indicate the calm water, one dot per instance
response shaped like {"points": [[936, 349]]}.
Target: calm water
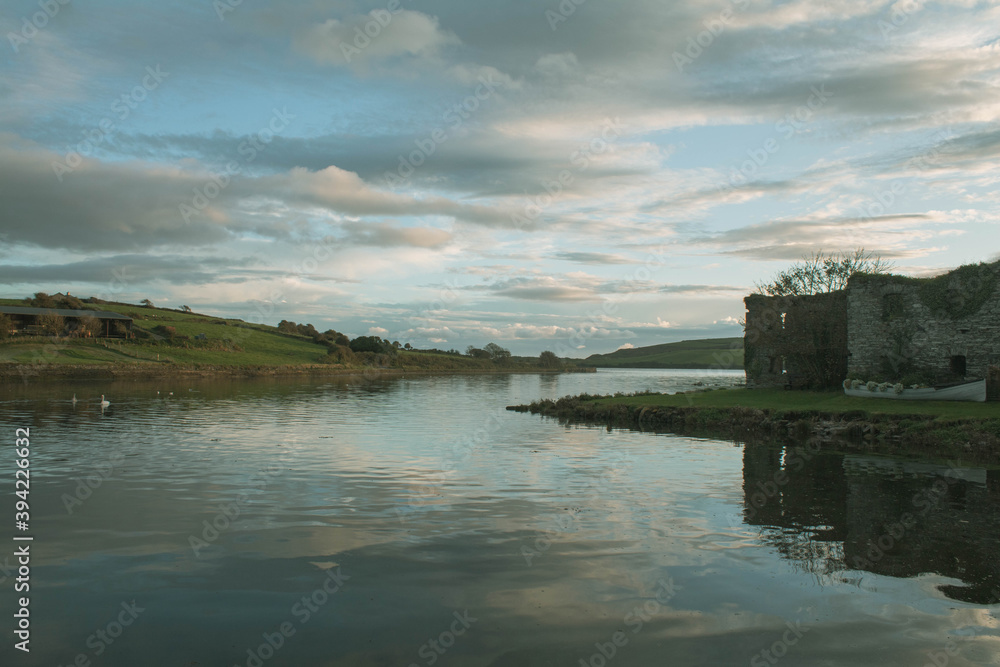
{"points": [[413, 521]]}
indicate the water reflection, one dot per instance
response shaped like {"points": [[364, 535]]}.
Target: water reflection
{"points": [[832, 513], [435, 500]]}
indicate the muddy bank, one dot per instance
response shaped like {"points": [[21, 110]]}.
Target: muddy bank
{"points": [[975, 440]]}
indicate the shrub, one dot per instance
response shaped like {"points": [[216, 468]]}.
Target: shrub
{"points": [[170, 333], [52, 324]]}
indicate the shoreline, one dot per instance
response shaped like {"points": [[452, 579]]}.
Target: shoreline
{"points": [[925, 435], [17, 373]]}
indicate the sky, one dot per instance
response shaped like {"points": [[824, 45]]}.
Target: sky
{"points": [[574, 175]]}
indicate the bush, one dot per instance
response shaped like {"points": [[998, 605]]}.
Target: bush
{"points": [[52, 324], [548, 359], [170, 333], [90, 325], [369, 344], [339, 354]]}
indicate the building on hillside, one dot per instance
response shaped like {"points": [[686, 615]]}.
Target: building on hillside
{"points": [[928, 330], [41, 321]]}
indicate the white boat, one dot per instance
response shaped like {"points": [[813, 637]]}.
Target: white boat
{"points": [[968, 391]]}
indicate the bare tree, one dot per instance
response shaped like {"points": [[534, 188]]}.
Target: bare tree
{"points": [[821, 272]]}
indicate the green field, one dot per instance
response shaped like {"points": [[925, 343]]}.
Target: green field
{"points": [[227, 342], [707, 353], [803, 401]]}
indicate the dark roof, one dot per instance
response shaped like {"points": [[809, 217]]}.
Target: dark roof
{"points": [[65, 312]]}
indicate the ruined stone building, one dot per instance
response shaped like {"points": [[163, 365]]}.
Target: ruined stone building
{"points": [[884, 327]]}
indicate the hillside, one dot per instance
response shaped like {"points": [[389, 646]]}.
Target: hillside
{"points": [[170, 338], [707, 353]]}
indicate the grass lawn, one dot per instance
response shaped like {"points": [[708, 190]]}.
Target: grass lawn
{"points": [[779, 399]]}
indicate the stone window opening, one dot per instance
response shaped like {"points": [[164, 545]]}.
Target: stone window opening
{"points": [[893, 306], [958, 365]]}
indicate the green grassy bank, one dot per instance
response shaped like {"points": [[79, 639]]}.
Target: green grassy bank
{"points": [[939, 429]]}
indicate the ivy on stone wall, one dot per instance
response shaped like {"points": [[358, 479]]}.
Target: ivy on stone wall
{"points": [[957, 294]]}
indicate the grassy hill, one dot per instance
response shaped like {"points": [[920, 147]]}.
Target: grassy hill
{"points": [[227, 342], [707, 353], [230, 343]]}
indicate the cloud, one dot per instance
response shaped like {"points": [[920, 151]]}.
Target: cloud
{"points": [[626, 346], [113, 206], [592, 258], [376, 36], [699, 289], [384, 235], [138, 268]]}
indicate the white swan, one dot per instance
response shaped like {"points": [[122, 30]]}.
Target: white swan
{"points": [[104, 403]]}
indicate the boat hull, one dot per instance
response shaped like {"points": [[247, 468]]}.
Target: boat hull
{"points": [[970, 391]]}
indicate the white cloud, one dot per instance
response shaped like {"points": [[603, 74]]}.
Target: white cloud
{"points": [[378, 35]]}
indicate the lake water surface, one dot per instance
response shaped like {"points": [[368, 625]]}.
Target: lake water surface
{"points": [[413, 521]]}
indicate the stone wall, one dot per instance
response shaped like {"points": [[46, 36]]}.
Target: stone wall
{"points": [[902, 327], [797, 342]]}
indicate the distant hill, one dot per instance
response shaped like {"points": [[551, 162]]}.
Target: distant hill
{"points": [[707, 353]]}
